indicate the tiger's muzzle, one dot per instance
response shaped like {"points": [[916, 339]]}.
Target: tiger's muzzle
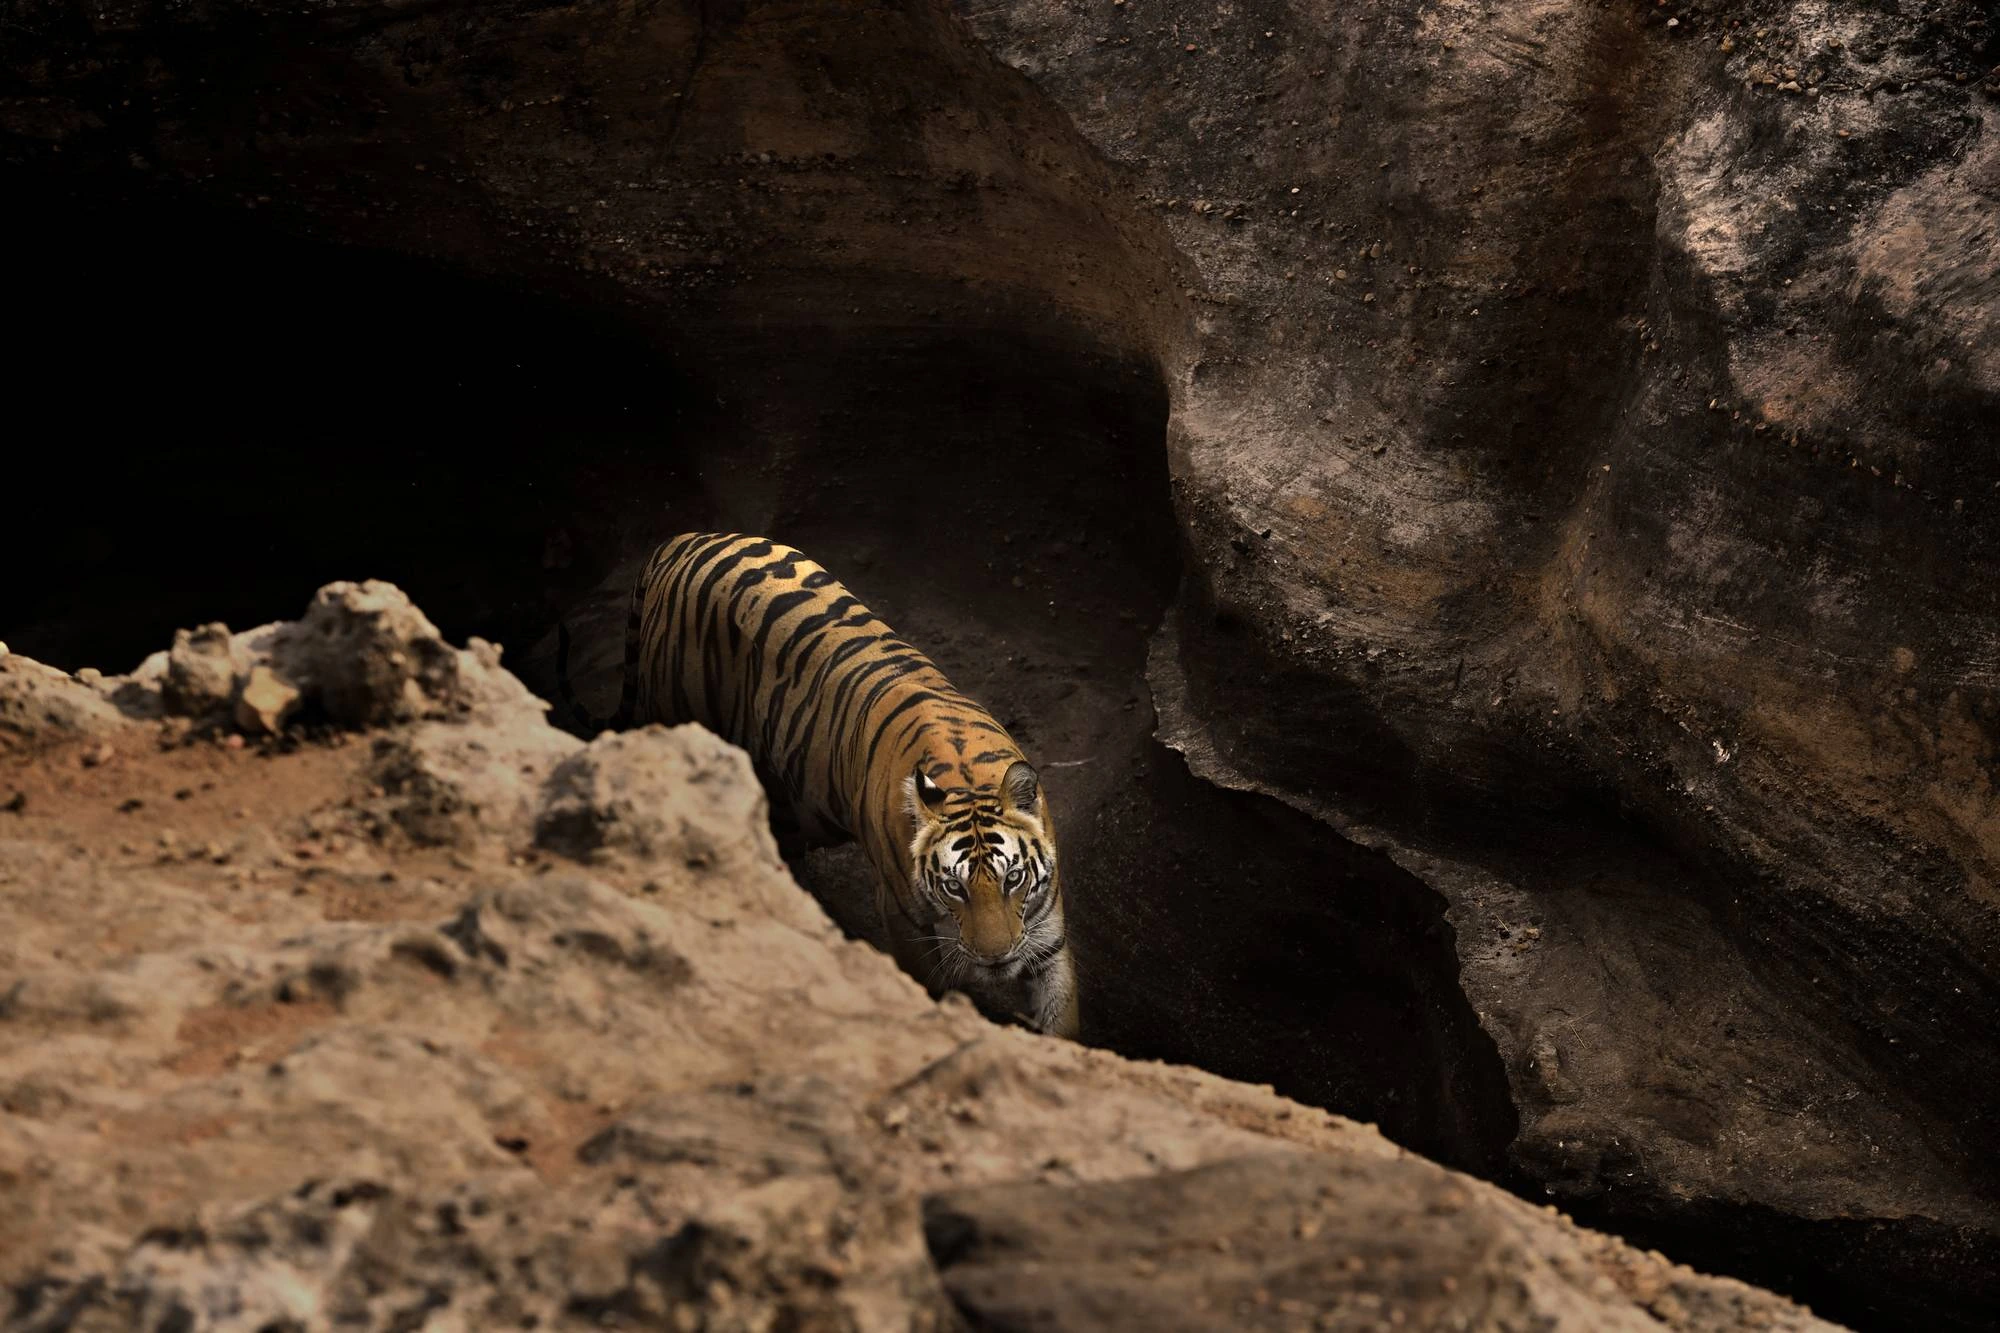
{"points": [[989, 931]]}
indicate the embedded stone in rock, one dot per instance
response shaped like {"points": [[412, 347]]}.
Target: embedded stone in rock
{"points": [[266, 701]]}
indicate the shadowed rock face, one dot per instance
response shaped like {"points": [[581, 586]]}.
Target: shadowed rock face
{"points": [[1576, 418], [1582, 449]]}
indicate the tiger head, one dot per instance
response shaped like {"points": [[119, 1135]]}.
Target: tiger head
{"points": [[984, 861]]}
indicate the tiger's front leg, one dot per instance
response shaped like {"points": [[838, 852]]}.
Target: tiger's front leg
{"points": [[1054, 993]]}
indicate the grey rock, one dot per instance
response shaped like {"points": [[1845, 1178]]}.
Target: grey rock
{"points": [[1659, 638]]}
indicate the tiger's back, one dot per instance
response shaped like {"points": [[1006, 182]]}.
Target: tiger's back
{"points": [[855, 733]]}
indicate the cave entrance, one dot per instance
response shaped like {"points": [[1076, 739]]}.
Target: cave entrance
{"points": [[997, 489], [1000, 495]]}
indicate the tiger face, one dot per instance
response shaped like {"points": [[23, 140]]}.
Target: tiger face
{"points": [[983, 861]]}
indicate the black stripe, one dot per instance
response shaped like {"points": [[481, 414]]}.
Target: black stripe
{"points": [[810, 701], [850, 715], [671, 605], [774, 610], [755, 551], [809, 625], [882, 727]]}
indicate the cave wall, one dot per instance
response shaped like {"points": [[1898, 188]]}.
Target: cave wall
{"points": [[1585, 452]]}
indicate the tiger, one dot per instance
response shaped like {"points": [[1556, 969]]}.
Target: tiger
{"points": [[856, 735]]}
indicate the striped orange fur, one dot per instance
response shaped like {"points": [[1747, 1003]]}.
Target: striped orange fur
{"points": [[856, 734]]}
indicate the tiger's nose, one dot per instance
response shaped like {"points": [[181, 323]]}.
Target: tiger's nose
{"points": [[986, 935]]}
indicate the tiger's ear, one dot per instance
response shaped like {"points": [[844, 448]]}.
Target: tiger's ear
{"points": [[925, 795], [1021, 785]]}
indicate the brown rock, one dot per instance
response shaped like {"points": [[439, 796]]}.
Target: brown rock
{"points": [[265, 701], [1313, 1241], [516, 1094], [202, 670], [1588, 662]]}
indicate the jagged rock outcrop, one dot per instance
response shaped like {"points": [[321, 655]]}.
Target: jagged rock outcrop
{"points": [[268, 1060]]}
